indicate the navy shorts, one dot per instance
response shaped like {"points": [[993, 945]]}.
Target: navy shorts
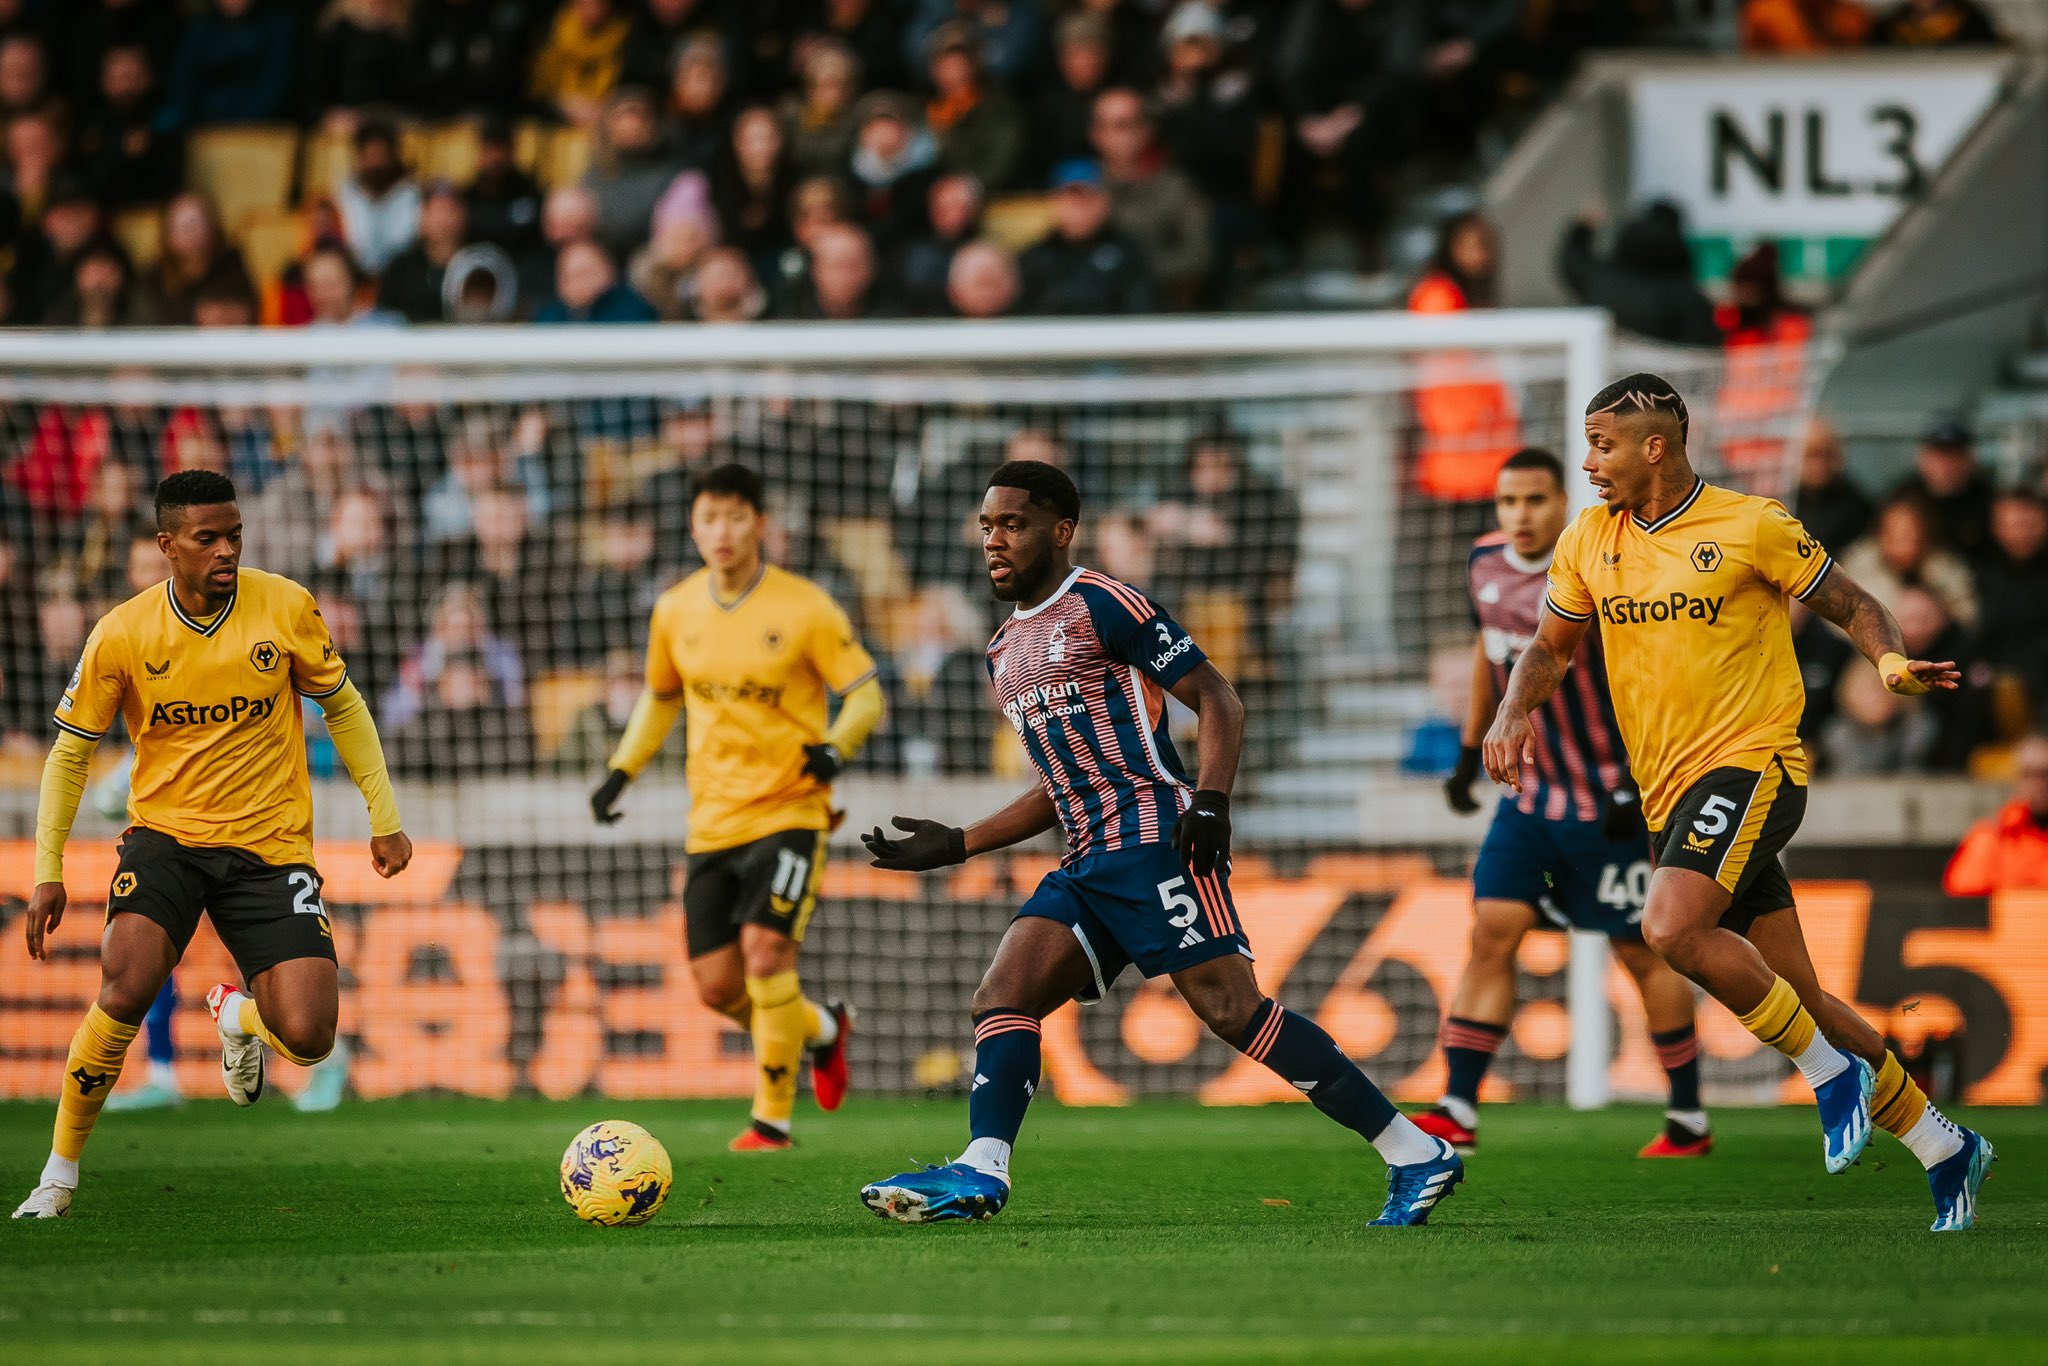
{"points": [[1140, 905], [1573, 875]]}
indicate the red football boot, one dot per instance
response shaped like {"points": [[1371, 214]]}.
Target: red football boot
{"points": [[829, 1078], [760, 1138], [1678, 1141], [1440, 1123]]}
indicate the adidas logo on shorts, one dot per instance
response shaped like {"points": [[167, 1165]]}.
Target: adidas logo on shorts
{"points": [[1191, 938]]}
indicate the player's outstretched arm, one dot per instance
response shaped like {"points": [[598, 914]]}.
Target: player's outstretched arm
{"points": [[1874, 631], [1202, 834], [64, 777], [648, 726], [354, 732], [1536, 676], [924, 845]]}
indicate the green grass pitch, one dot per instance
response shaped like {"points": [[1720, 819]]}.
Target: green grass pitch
{"points": [[432, 1231]]}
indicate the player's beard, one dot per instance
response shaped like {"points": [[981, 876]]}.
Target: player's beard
{"points": [[1027, 581]]}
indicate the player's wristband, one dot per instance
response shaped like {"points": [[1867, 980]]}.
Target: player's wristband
{"points": [[1896, 663]]}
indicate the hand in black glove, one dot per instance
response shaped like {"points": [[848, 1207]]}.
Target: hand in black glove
{"points": [[604, 801], [823, 762], [1202, 834], [1458, 787], [925, 845], [1624, 815]]}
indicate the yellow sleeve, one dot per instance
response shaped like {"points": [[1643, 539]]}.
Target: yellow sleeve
{"points": [[664, 679], [317, 670], [64, 775], [92, 699], [1568, 595], [836, 653], [354, 732], [860, 711], [1785, 555], [649, 725]]}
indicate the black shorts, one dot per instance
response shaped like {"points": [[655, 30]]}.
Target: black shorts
{"points": [[772, 881], [265, 913], [1731, 825]]}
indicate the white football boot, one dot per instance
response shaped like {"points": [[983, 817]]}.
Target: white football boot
{"points": [[241, 1057], [47, 1201]]}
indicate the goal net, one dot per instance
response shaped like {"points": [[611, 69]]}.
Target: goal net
{"points": [[486, 518]]}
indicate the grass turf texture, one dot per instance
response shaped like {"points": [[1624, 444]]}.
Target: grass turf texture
{"points": [[433, 1231]]}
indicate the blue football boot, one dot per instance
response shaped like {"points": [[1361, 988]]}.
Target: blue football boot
{"points": [[1414, 1190], [1955, 1182], [953, 1191], [1845, 1115]]}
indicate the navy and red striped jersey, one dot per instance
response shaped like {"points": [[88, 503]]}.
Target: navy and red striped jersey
{"points": [[1082, 678], [1579, 754]]}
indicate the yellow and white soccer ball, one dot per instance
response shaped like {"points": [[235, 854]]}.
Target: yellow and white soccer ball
{"points": [[616, 1174]]}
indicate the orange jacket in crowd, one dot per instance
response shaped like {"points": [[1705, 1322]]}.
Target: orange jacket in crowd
{"points": [[2007, 852], [1803, 25], [1763, 385], [1469, 426]]}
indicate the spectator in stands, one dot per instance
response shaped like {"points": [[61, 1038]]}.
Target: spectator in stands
{"points": [[628, 172], [568, 214], [1875, 731], [1065, 105], [477, 463], [1936, 23], [1151, 202], [893, 166], [1208, 117], [595, 730], [922, 265], [457, 629], [124, 158], [1829, 503], [379, 202], [504, 201], [751, 186], [725, 289], [356, 553], [1802, 25], [1337, 65], [588, 290], [337, 290], [196, 256], [24, 76], [871, 31], [2008, 851], [285, 522], [979, 127], [413, 283], [73, 219], [1009, 38], [685, 227], [840, 285], [578, 65], [699, 104], [983, 281], [99, 26], [2013, 586], [1765, 339], [463, 57], [466, 726], [818, 123], [360, 56], [114, 511], [662, 28], [35, 152], [103, 292], [1647, 283], [608, 606], [1462, 50], [1084, 265], [1463, 270], [61, 627], [238, 63], [1904, 552], [225, 302], [1224, 527], [936, 681], [1953, 486], [515, 573], [816, 206]]}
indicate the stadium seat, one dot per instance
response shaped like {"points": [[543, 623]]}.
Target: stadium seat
{"points": [[140, 231], [448, 152], [867, 548], [270, 241], [1221, 620], [557, 697], [529, 138], [242, 170], [564, 156], [1269, 159], [1018, 220]]}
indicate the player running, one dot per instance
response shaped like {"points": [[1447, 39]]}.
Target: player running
{"points": [[1569, 850], [207, 671], [1688, 584], [747, 653], [1081, 669]]}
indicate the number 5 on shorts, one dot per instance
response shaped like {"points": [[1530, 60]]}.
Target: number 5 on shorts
{"points": [[1713, 815], [1174, 899]]}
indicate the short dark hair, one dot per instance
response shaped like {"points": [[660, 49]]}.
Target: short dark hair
{"points": [[1643, 392], [1047, 485], [189, 489], [733, 480], [1536, 458]]}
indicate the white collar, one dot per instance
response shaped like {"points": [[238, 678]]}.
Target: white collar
{"points": [[1057, 594], [1528, 566]]}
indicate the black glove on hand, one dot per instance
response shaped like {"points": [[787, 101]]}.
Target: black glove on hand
{"points": [[823, 762], [1202, 835], [1458, 787], [1624, 815], [604, 801], [925, 845]]}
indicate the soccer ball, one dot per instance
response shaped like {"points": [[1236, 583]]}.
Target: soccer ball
{"points": [[615, 1174]]}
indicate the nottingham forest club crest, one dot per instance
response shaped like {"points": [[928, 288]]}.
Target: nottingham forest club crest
{"points": [[1056, 644]]}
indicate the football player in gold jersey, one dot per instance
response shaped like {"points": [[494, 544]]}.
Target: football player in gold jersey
{"points": [[1687, 584], [207, 671], [748, 654]]}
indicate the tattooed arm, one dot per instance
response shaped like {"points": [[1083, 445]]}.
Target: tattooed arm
{"points": [[1536, 676], [1873, 631]]}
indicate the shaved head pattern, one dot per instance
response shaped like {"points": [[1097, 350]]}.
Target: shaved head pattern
{"points": [[1643, 392]]}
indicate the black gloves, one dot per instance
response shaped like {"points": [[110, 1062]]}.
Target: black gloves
{"points": [[823, 762], [1202, 835], [1624, 815], [1458, 787], [925, 845], [605, 799]]}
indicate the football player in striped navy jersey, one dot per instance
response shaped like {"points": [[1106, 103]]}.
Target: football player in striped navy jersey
{"points": [[1081, 670]]}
